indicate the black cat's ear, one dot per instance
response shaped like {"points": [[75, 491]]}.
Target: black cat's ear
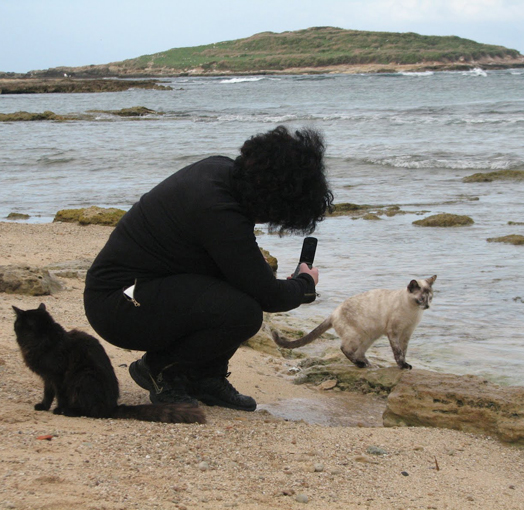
{"points": [[413, 286], [17, 310], [431, 280], [41, 306]]}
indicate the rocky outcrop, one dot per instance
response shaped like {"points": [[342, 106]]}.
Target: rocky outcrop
{"points": [[467, 403], [32, 281], [445, 220], [66, 85], [429, 399], [380, 381], [91, 215], [70, 269], [509, 239], [499, 175]]}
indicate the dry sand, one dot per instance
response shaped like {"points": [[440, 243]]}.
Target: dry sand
{"points": [[237, 460]]}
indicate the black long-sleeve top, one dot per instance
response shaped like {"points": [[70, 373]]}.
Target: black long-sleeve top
{"points": [[192, 223]]}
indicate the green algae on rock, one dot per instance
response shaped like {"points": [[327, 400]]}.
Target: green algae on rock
{"points": [[370, 216], [17, 216], [347, 208], [509, 239], [365, 211], [445, 220], [91, 215], [28, 116], [500, 175]]}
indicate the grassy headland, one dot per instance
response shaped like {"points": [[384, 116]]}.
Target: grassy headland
{"points": [[319, 49]]}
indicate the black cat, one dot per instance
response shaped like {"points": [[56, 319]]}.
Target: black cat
{"points": [[76, 369]]}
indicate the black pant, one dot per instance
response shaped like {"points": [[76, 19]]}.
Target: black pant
{"points": [[192, 320]]}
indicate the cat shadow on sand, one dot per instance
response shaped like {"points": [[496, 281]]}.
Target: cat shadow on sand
{"points": [[77, 371], [362, 319]]}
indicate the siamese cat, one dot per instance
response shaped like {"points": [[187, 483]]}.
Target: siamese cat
{"points": [[364, 318], [77, 371]]}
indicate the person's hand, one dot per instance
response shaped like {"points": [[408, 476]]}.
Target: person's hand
{"points": [[313, 272]]}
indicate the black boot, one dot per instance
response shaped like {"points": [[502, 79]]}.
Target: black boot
{"points": [[168, 387], [211, 387]]}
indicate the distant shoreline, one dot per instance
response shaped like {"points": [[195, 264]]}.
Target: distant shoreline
{"points": [[68, 79]]}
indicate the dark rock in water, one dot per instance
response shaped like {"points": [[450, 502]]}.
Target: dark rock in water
{"points": [[32, 281], [17, 216], [500, 175], [467, 403], [134, 111], [91, 215], [28, 116], [67, 84], [445, 220], [346, 208], [510, 239]]}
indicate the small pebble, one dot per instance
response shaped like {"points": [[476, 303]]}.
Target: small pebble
{"points": [[301, 498], [203, 466], [375, 450], [404, 473], [364, 459], [318, 467], [328, 385]]}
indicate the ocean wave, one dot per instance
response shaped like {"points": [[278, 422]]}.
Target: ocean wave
{"points": [[415, 73], [54, 160], [475, 72], [493, 163], [243, 79]]}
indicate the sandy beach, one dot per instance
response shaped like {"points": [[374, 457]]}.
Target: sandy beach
{"points": [[237, 460]]}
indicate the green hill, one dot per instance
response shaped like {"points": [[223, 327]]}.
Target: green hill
{"points": [[313, 48]]}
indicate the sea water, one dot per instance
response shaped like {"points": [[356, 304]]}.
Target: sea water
{"points": [[405, 139]]}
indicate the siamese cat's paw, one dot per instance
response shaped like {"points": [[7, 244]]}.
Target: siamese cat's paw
{"points": [[405, 366], [41, 407]]}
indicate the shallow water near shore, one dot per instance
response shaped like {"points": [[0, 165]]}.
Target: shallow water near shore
{"points": [[395, 139], [355, 410]]}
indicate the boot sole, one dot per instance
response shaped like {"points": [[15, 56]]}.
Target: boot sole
{"points": [[210, 400]]}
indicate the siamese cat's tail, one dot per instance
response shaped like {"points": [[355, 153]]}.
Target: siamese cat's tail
{"points": [[166, 413], [313, 335]]}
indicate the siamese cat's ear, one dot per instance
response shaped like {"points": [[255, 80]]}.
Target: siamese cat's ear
{"points": [[17, 310], [41, 306], [431, 280], [413, 286]]}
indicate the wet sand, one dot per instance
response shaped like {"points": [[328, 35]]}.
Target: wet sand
{"points": [[301, 447]]}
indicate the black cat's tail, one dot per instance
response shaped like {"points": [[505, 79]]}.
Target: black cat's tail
{"points": [[166, 413], [313, 335]]}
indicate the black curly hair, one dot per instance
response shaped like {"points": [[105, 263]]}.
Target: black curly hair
{"points": [[280, 178]]}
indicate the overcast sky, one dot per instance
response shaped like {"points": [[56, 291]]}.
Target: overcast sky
{"points": [[39, 34]]}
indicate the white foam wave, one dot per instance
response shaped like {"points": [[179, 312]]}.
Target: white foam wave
{"points": [[475, 72], [465, 163], [242, 80], [415, 73]]}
